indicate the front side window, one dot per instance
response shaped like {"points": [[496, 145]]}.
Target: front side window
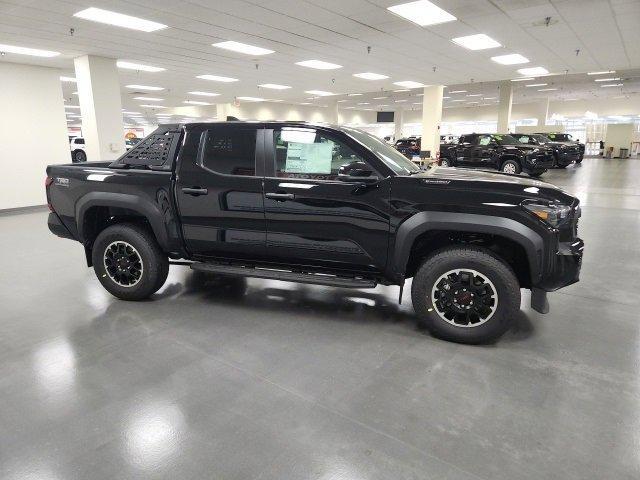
{"points": [[231, 151], [525, 139], [308, 153], [484, 140]]}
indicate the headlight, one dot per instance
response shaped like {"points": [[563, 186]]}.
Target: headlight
{"points": [[553, 214]]}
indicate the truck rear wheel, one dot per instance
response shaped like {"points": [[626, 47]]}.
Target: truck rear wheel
{"points": [[129, 262], [466, 294]]}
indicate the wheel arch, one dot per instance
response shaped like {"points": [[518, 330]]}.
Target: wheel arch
{"points": [[439, 226]]}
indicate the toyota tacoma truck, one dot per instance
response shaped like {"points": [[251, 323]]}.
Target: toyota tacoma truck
{"points": [[568, 140], [319, 204], [500, 152]]}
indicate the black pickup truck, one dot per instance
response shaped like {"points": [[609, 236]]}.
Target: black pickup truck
{"points": [[566, 139], [323, 205], [500, 152], [564, 154]]}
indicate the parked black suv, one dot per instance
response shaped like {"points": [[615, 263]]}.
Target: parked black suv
{"points": [[563, 154], [319, 204], [409, 147], [500, 152], [566, 139]]}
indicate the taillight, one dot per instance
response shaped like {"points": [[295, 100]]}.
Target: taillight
{"points": [[47, 183]]}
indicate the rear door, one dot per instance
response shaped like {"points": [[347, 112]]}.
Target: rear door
{"points": [[314, 218], [219, 190]]}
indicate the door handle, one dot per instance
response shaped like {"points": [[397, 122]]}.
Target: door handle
{"points": [[194, 191], [280, 197]]}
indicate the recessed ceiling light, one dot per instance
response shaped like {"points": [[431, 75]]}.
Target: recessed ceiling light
{"points": [[601, 73], [572, 99], [547, 89], [149, 99], [417, 103], [474, 95], [459, 100], [409, 84], [34, 52], [274, 86], [309, 103], [473, 103], [151, 106], [217, 78], [422, 12], [130, 113], [68, 79], [319, 65], [138, 66], [379, 98], [458, 91], [144, 87], [251, 99], [510, 59], [526, 79], [489, 98], [364, 103], [401, 90], [354, 94], [612, 85], [74, 93], [536, 85], [383, 105], [242, 48], [341, 101], [400, 101], [320, 93], [479, 41], [533, 71], [370, 76], [119, 20], [607, 79], [204, 94], [196, 102], [446, 97]]}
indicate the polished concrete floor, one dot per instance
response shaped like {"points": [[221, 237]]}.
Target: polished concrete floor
{"points": [[286, 381]]}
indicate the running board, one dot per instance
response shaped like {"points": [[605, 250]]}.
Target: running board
{"points": [[286, 276]]}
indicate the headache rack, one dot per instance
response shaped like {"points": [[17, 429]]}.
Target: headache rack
{"points": [[154, 152]]}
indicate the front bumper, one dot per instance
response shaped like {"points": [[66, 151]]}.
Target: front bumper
{"points": [[568, 159], [564, 267], [537, 163]]}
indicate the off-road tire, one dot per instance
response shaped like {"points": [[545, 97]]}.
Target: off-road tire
{"points": [[474, 258], [155, 264]]}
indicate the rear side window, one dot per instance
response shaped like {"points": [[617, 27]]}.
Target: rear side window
{"points": [[231, 151]]}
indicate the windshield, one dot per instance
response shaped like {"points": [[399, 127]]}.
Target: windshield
{"points": [[397, 162], [506, 140]]}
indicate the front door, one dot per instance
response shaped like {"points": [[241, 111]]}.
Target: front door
{"points": [[312, 216], [219, 191]]}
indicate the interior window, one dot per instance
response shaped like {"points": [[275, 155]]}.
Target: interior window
{"points": [[230, 151], [525, 139], [307, 153]]}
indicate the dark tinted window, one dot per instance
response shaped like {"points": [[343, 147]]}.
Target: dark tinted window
{"points": [[231, 151], [79, 141]]}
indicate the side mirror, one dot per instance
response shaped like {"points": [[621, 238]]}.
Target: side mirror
{"points": [[357, 172]]}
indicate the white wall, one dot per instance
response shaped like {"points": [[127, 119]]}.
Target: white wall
{"points": [[618, 136], [33, 132]]}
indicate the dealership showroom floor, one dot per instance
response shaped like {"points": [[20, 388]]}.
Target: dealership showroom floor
{"points": [[314, 140], [297, 381]]}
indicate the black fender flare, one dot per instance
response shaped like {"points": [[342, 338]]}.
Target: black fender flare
{"points": [[122, 200], [422, 222]]}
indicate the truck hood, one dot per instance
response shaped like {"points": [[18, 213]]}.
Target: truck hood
{"points": [[497, 183]]}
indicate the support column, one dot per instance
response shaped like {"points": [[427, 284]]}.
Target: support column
{"points": [[431, 118], [504, 106], [398, 119], [101, 107], [543, 112], [332, 114]]}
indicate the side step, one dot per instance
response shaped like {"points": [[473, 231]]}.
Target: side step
{"points": [[313, 278]]}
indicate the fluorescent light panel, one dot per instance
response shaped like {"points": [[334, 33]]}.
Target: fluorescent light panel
{"points": [[152, 106], [479, 41], [217, 78], [409, 84], [204, 94], [251, 99], [144, 87], [613, 79], [119, 20], [149, 99], [526, 79], [601, 73], [510, 59], [34, 52], [533, 71], [370, 76], [354, 94], [547, 89], [319, 65], [422, 13], [379, 98], [196, 102], [138, 66], [274, 86], [242, 48], [319, 93], [536, 85], [458, 91]]}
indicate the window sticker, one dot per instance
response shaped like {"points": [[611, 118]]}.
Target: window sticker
{"points": [[308, 157]]}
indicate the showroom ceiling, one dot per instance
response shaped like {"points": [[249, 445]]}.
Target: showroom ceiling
{"points": [[581, 36]]}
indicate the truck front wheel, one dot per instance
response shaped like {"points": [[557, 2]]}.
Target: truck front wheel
{"points": [[466, 294], [129, 262]]}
